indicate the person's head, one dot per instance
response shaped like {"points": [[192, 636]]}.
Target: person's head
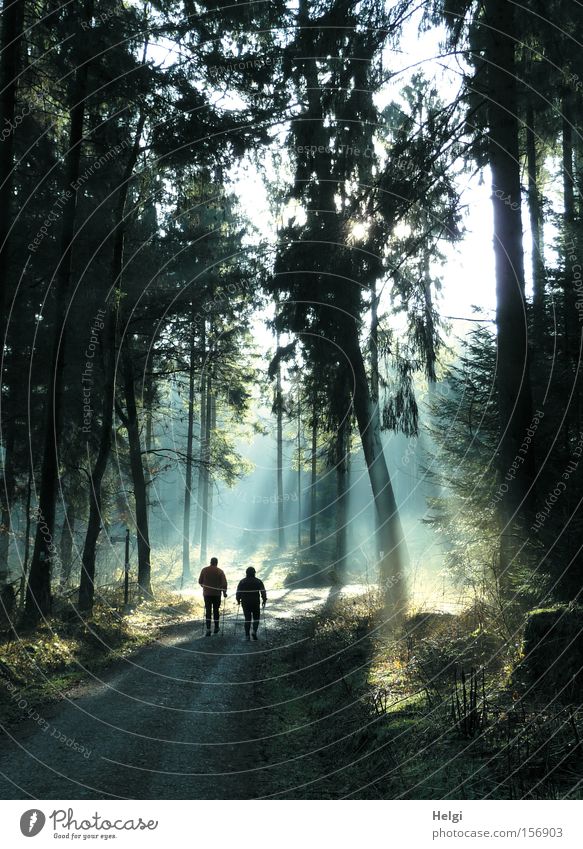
{"points": [[214, 561], [250, 572]]}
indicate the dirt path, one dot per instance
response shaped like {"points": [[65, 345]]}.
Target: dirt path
{"points": [[182, 719]]}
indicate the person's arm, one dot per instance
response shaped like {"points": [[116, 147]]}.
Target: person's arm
{"points": [[263, 593], [201, 578], [224, 584], [238, 593]]}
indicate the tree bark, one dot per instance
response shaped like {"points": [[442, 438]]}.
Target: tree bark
{"points": [[392, 547], [149, 416], [66, 545], [138, 477], [314, 478], [206, 472], [87, 584], [513, 381], [38, 592], [570, 328], [341, 461], [536, 229], [211, 493], [10, 66], [7, 497], [186, 576], [202, 435], [299, 478], [279, 415], [22, 591]]}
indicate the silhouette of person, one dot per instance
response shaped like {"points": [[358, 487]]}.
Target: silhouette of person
{"points": [[249, 591], [214, 584]]}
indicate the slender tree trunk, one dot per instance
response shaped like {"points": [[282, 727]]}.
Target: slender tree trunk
{"points": [[568, 211], [138, 477], [393, 557], [513, 381], [38, 593], [87, 584], [578, 109], [430, 352], [299, 471], [279, 414], [206, 469], [374, 393], [211, 493], [571, 330], [536, 229], [374, 348], [314, 478], [66, 545], [149, 416], [10, 67], [7, 498], [22, 592], [201, 439], [341, 460], [188, 475]]}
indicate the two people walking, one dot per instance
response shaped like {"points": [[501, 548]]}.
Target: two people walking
{"points": [[250, 594]]}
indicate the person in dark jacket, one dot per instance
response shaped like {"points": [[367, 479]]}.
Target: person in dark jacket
{"points": [[249, 592], [214, 583]]}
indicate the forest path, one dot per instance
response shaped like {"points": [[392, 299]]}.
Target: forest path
{"points": [[183, 718]]}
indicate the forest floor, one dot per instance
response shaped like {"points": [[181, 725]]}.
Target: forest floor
{"points": [[329, 703]]}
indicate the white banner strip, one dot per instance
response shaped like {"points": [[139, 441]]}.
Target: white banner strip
{"points": [[282, 824]]}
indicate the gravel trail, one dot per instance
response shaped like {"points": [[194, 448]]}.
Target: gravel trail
{"points": [[183, 718]]}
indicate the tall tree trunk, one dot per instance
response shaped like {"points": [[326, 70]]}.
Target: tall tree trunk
{"points": [[22, 591], [211, 499], [201, 438], [10, 65], [206, 468], [374, 394], [341, 462], [66, 545], [87, 584], [314, 477], [536, 229], [138, 477], [188, 475], [7, 498], [149, 416], [392, 547], [513, 381], [299, 437], [571, 330], [279, 415], [38, 592]]}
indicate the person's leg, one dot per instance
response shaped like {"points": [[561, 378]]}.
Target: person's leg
{"points": [[216, 606], [207, 608], [256, 614], [247, 615]]}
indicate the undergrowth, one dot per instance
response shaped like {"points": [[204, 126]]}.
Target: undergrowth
{"points": [[40, 665], [428, 711]]}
